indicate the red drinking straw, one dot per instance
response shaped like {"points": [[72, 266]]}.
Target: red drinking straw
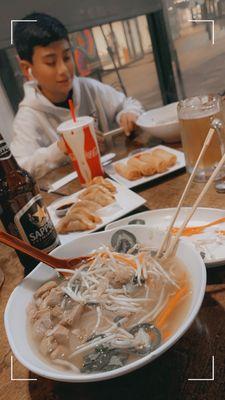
{"points": [[72, 110]]}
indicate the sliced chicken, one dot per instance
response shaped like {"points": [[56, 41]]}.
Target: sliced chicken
{"points": [[54, 298], [47, 345], [61, 334], [72, 316], [60, 352], [42, 324], [45, 288]]}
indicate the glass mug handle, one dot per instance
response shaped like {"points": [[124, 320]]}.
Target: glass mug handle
{"points": [[217, 124]]}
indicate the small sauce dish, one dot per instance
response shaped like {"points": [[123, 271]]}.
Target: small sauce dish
{"points": [[62, 210]]}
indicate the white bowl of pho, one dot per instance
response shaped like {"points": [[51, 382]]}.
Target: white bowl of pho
{"points": [[112, 315]]}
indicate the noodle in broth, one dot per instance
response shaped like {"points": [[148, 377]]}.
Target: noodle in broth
{"points": [[109, 312]]}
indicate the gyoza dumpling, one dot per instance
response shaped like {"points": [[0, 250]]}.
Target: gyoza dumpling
{"points": [[103, 182], [77, 220], [80, 213], [75, 226], [89, 205], [93, 189], [101, 198], [98, 194]]}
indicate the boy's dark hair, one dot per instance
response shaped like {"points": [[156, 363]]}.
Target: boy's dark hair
{"points": [[46, 30]]}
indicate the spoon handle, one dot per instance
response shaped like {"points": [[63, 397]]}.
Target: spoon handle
{"points": [[26, 248]]}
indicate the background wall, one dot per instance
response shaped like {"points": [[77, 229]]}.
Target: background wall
{"points": [[75, 14]]}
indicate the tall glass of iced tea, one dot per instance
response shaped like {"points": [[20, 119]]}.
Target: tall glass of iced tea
{"points": [[195, 116]]}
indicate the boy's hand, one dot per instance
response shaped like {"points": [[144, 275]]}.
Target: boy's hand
{"points": [[61, 145], [128, 122]]}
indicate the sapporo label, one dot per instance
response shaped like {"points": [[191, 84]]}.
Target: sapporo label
{"points": [[34, 225], [5, 153]]}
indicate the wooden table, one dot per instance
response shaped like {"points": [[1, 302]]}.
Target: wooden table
{"points": [[165, 378]]}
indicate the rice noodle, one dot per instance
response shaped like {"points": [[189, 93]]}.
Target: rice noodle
{"points": [[93, 344], [155, 309], [67, 364], [117, 292], [99, 314], [172, 281], [69, 271]]}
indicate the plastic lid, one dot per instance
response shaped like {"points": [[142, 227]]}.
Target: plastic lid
{"points": [[70, 124]]}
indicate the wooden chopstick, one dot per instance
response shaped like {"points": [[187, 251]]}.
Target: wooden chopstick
{"points": [[166, 239], [42, 189], [114, 132], [172, 246]]}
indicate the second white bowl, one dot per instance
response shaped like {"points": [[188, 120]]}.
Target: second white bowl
{"points": [[162, 123]]}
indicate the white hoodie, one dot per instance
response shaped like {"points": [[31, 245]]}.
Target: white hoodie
{"points": [[34, 128]]}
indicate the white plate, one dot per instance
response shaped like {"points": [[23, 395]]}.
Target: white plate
{"points": [[15, 317], [126, 201], [213, 244], [130, 184]]}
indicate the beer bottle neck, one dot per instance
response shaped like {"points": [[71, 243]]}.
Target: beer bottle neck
{"points": [[7, 161]]}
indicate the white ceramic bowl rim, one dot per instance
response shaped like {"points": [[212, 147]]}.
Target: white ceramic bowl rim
{"points": [[155, 122]]}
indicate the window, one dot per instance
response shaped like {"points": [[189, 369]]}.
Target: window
{"points": [[201, 62], [102, 52], [131, 48]]}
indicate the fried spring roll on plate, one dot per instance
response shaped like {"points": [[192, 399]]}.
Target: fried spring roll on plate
{"points": [[158, 163], [145, 167], [165, 155], [128, 172]]}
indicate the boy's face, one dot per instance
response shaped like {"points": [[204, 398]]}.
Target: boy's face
{"points": [[53, 68]]}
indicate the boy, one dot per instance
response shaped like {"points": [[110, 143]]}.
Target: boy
{"points": [[46, 60]]}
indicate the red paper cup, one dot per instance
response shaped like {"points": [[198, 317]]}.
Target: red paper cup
{"points": [[82, 147]]}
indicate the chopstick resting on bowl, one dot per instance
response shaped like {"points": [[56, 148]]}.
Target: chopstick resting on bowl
{"points": [[167, 236], [167, 248], [172, 247]]}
